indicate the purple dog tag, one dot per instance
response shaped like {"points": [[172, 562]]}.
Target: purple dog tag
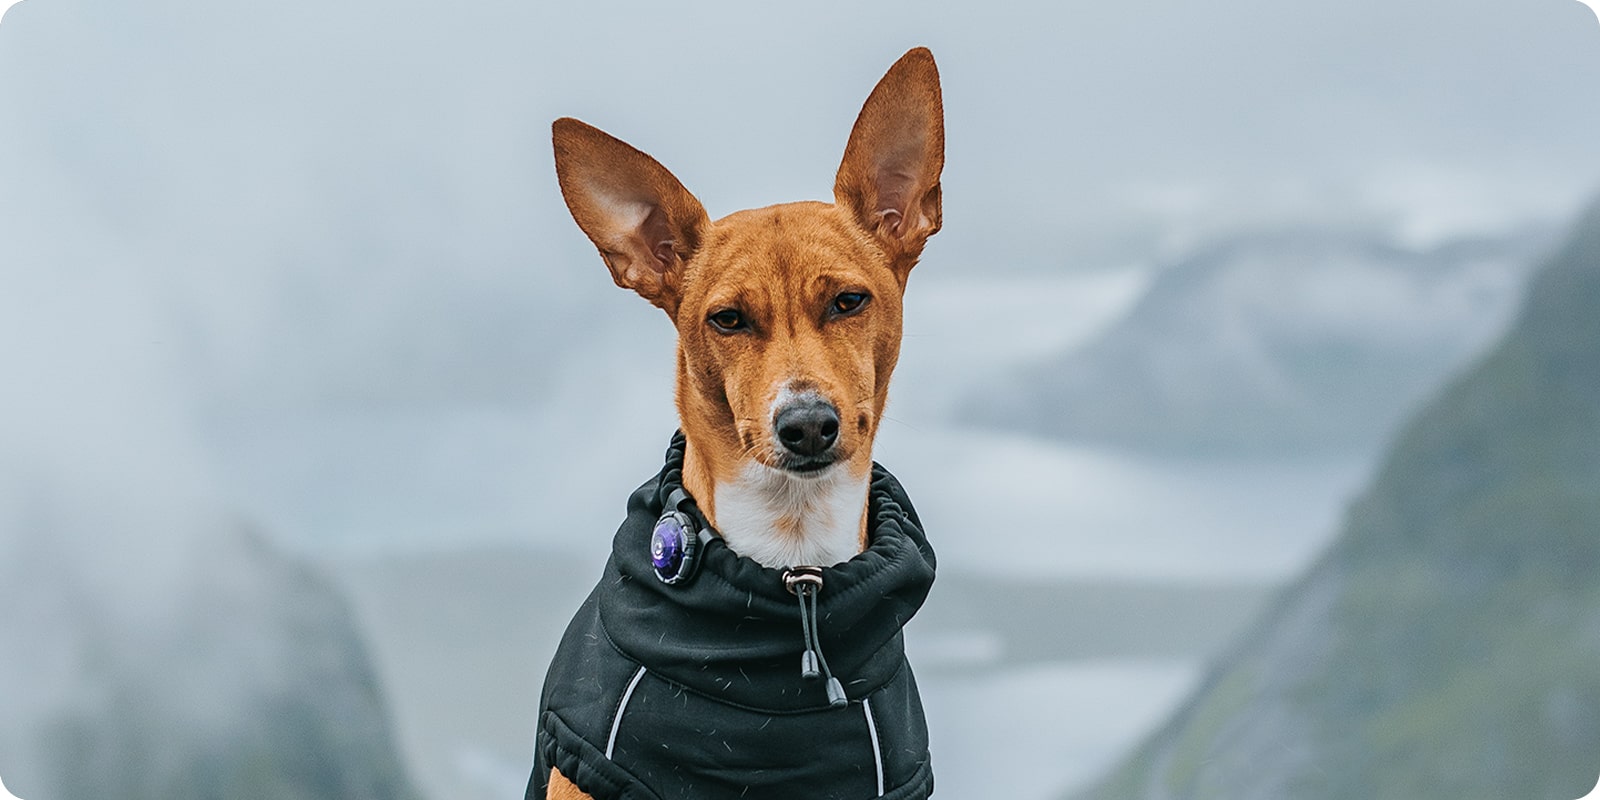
{"points": [[668, 544]]}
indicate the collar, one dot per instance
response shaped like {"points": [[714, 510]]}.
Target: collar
{"points": [[734, 632]]}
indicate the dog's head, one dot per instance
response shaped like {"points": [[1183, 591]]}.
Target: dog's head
{"points": [[788, 316]]}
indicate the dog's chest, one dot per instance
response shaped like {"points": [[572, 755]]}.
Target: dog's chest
{"points": [[778, 519]]}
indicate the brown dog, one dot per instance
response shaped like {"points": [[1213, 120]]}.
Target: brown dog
{"points": [[788, 318]]}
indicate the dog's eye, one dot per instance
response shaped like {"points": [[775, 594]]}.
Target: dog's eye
{"points": [[727, 320], [849, 303]]}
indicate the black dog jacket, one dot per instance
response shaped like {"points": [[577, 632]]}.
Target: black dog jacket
{"points": [[695, 690]]}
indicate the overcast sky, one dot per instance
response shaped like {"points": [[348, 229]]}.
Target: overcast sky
{"points": [[1071, 124]]}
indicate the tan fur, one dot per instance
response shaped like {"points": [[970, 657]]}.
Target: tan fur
{"points": [[563, 789], [782, 268]]}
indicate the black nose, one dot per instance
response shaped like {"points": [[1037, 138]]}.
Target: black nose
{"points": [[807, 426]]}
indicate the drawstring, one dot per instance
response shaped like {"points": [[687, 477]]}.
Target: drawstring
{"points": [[805, 583]]}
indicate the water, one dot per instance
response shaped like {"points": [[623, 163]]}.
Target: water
{"points": [[1033, 732]]}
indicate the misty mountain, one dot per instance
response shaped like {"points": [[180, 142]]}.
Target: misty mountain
{"points": [[1448, 644], [245, 676], [1284, 341]]}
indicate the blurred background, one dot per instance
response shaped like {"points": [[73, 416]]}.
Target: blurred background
{"points": [[1251, 394]]}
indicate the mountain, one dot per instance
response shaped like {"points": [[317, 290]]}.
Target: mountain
{"points": [[248, 678], [1448, 644], [1289, 340]]}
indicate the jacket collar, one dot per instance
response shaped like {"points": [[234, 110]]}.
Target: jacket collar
{"points": [[734, 632]]}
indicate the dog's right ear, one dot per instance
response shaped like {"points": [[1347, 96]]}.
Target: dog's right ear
{"points": [[645, 224]]}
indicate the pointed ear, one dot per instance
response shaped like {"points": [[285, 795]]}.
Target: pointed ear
{"points": [[889, 180], [645, 224]]}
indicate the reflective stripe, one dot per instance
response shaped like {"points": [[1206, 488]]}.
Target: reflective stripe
{"points": [[616, 723], [877, 753]]}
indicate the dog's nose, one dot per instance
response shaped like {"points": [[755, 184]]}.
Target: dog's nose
{"points": [[807, 426]]}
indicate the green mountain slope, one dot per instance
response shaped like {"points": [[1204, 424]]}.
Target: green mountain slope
{"points": [[1448, 645]]}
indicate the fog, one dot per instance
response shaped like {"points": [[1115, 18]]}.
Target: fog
{"points": [[303, 268]]}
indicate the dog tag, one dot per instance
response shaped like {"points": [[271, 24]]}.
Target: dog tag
{"points": [[672, 547]]}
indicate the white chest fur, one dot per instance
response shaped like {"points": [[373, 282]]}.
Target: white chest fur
{"points": [[780, 519]]}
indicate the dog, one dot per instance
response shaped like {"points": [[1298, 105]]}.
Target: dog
{"points": [[770, 538]]}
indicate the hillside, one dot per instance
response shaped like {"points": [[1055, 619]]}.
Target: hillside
{"points": [[1448, 644], [1273, 342], [249, 679]]}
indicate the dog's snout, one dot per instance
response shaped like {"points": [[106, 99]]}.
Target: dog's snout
{"points": [[807, 426]]}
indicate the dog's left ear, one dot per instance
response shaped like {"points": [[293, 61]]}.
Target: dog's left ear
{"points": [[889, 180]]}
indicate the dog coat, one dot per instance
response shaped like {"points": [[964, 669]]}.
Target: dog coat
{"points": [[695, 690]]}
